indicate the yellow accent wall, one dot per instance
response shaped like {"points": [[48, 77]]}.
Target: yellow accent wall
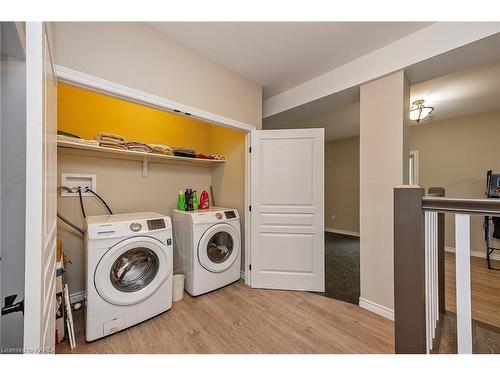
{"points": [[86, 113]]}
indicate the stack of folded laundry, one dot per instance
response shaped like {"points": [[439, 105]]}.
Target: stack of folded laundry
{"points": [[76, 139], [112, 140], [160, 149], [203, 156], [184, 152], [137, 146], [117, 141]]}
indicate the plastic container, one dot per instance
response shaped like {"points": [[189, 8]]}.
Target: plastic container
{"points": [[203, 201], [178, 287], [181, 201], [195, 200]]}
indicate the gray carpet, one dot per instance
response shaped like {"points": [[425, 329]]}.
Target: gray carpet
{"points": [[342, 267]]}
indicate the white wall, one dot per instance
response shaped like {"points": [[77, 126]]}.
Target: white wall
{"points": [[456, 154], [138, 56], [383, 165]]}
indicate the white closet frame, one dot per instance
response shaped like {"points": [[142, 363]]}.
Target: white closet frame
{"points": [[76, 78]]}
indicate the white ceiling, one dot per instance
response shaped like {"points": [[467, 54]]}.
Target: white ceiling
{"points": [[281, 55], [464, 93], [459, 83], [338, 114], [460, 94]]}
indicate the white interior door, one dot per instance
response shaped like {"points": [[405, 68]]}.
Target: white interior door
{"points": [[287, 195], [41, 205]]}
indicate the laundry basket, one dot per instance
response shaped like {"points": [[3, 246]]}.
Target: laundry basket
{"points": [[178, 287]]}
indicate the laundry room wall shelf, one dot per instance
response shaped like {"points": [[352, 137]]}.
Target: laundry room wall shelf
{"points": [[71, 148]]}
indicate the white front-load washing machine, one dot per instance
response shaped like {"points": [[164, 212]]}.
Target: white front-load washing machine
{"points": [[128, 260], [207, 248]]}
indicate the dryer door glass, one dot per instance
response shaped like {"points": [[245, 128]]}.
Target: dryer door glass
{"points": [[134, 269], [219, 247]]}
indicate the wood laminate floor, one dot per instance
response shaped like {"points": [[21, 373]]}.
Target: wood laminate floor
{"points": [[485, 289], [238, 319]]}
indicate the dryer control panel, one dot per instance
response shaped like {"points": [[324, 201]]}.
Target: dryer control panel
{"points": [[213, 216]]}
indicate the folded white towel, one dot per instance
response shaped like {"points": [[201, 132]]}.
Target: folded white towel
{"points": [[81, 141]]}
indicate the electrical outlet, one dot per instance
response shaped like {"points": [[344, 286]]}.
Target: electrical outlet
{"points": [[75, 180]]}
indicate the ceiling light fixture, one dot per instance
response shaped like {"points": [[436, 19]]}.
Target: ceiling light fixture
{"points": [[419, 111]]}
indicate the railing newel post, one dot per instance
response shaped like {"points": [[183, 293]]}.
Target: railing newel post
{"points": [[409, 271]]}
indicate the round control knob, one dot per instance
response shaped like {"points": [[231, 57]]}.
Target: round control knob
{"points": [[218, 216], [135, 227]]}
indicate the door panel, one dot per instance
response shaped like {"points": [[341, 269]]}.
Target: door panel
{"points": [[287, 194], [41, 205], [13, 180], [279, 186]]}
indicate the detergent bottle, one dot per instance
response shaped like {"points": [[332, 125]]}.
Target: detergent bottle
{"points": [[195, 200], [203, 201], [181, 201], [189, 200]]}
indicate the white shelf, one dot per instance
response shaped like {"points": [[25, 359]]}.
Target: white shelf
{"points": [[73, 148]]}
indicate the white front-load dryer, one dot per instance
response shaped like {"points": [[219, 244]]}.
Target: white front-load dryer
{"points": [[129, 262], [207, 248]]}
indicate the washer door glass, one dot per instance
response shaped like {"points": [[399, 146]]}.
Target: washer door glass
{"points": [[134, 269], [220, 247]]}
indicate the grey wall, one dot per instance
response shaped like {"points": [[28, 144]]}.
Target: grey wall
{"points": [[13, 181]]}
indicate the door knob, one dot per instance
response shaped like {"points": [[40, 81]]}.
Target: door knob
{"points": [[11, 307]]}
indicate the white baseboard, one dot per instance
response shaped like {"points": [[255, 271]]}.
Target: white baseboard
{"points": [[376, 308], [77, 297], [475, 253], [342, 231]]}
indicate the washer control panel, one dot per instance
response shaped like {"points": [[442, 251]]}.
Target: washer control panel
{"points": [[156, 224], [111, 226]]}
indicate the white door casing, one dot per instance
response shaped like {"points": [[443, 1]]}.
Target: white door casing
{"points": [[287, 210], [41, 204]]}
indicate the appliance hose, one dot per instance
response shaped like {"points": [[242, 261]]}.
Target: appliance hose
{"points": [[75, 227], [102, 200], [81, 202], [63, 219]]}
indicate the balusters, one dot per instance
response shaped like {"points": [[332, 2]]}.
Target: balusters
{"points": [[463, 286], [431, 277]]}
